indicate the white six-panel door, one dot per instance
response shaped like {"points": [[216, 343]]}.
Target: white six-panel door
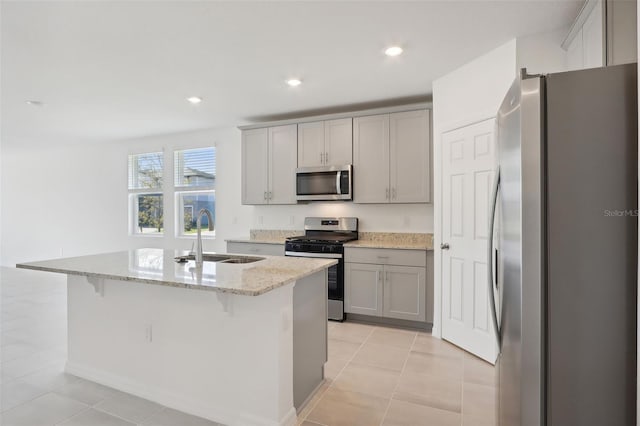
{"points": [[468, 164]]}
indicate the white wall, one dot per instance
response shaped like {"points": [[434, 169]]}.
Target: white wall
{"points": [[72, 200]]}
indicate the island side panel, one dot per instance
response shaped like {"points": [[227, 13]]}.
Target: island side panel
{"points": [[180, 348], [309, 336]]}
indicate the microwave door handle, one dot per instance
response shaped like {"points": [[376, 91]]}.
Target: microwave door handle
{"points": [[338, 176]]}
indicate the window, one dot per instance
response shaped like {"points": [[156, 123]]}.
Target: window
{"points": [[145, 193], [195, 183]]}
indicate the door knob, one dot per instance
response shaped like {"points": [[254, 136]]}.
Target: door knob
{"points": [[444, 246]]}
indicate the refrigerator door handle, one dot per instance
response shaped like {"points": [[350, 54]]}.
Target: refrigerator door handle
{"points": [[490, 253]]}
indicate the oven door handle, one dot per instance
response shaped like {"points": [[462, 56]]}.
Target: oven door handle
{"points": [[318, 255]]}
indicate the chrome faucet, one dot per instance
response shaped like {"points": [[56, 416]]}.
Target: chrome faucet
{"points": [[199, 227]]}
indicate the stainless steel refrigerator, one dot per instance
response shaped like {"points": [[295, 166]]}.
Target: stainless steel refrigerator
{"points": [[564, 254]]}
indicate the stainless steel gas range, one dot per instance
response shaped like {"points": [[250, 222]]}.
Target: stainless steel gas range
{"points": [[324, 237]]}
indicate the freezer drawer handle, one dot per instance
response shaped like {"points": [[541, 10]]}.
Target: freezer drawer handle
{"points": [[444, 246], [493, 284]]}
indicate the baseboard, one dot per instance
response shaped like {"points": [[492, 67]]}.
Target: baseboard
{"points": [[390, 322], [177, 402]]}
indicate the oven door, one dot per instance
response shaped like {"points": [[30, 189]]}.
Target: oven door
{"points": [[323, 183]]}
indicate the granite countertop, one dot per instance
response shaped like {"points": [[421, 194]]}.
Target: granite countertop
{"points": [[388, 240], [157, 266]]}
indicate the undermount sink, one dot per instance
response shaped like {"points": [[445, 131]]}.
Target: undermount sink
{"points": [[222, 258]]}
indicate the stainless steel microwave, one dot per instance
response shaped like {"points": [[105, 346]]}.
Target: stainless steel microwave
{"points": [[323, 183]]}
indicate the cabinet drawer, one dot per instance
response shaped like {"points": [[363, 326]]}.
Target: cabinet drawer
{"points": [[386, 256], [256, 248]]}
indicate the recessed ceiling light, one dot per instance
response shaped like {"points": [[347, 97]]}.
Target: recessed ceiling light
{"points": [[393, 51], [195, 99], [294, 82], [34, 103]]}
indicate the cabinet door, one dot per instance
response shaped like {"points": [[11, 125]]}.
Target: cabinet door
{"points": [[410, 157], [404, 293], [255, 145], [311, 138], [371, 159], [575, 54], [592, 39], [338, 142], [363, 289], [283, 159]]}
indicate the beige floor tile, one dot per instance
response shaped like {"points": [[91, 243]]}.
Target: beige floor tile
{"points": [[314, 400], [479, 401], [435, 365], [479, 371], [383, 356], [93, 417], [341, 408], [169, 417], [403, 413], [129, 407], [46, 410], [402, 339], [368, 380], [16, 392], [334, 366], [342, 349], [468, 420], [426, 343], [350, 332], [433, 391]]}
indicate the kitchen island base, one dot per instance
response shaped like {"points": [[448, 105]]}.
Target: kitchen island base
{"points": [[221, 356]]}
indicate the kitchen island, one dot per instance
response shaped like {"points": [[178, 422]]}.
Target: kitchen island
{"points": [[236, 343]]}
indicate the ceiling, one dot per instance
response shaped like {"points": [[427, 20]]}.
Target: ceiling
{"points": [[114, 70]]}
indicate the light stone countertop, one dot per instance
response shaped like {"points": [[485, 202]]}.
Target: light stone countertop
{"points": [[157, 266], [387, 240]]}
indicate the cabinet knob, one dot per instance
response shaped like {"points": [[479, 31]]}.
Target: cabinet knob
{"points": [[444, 246]]}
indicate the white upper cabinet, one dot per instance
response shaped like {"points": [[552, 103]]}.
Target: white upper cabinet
{"points": [[338, 142], [255, 174], [392, 157], [604, 33], [410, 157], [592, 39], [371, 159], [269, 158], [325, 143]]}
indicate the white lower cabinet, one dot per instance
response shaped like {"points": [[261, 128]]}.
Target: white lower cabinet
{"points": [[375, 287], [404, 293], [363, 289]]}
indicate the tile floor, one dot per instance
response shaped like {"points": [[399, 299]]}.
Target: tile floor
{"points": [[375, 375]]}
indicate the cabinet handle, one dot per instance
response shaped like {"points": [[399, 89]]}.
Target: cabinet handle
{"points": [[386, 195], [321, 158], [265, 195], [270, 195], [386, 277], [378, 276], [326, 158], [393, 192]]}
